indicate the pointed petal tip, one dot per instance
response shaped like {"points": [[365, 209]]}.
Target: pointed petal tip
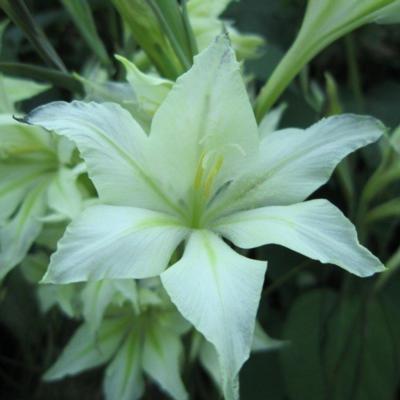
{"points": [[49, 376], [47, 280], [30, 117], [378, 269], [123, 60], [23, 119], [373, 123]]}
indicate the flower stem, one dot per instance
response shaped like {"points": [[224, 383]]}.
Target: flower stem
{"points": [[286, 277], [393, 266], [354, 72]]}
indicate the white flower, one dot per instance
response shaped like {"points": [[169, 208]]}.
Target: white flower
{"points": [[202, 174]]}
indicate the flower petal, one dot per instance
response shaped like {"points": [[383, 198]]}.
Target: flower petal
{"points": [[294, 163], [16, 89], [112, 144], [17, 139], [124, 378], [209, 359], [17, 235], [161, 360], [96, 297], [64, 196], [218, 291], [271, 120], [314, 228], [16, 180], [150, 90], [86, 350], [114, 242], [206, 116]]}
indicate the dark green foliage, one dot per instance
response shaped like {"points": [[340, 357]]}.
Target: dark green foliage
{"points": [[343, 334]]}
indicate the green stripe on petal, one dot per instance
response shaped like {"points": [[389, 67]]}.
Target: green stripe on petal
{"points": [[207, 116], [162, 353], [315, 228], [218, 291], [113, 146], [124, 379], [293, 163], [111, 242]]}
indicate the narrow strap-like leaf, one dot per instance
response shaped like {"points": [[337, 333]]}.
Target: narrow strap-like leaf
{"points": [[83, 18], [18, 12], [60, 79]]}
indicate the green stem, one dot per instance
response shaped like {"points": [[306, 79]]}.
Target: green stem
{"points": [[346, 182], [19, 13], [382, 177], [392, 266], [315, 34], [354, 72], [291, 64], [286, 277], [388, 209], [189, 30], [185, 62]]}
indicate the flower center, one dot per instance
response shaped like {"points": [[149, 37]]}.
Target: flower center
{"points": [[208, 167]]}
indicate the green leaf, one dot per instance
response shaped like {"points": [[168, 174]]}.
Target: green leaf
{"points": [[146, 30], [315, 228], [170, 18], [305, 329], [324, 22], [82, 15], [389, 14], [56, 78], [115, 243], [395, 140], [346, 349], [230, 287], [207, 8], [3, 27], [18, 12], [19, 314], [389, 209]]}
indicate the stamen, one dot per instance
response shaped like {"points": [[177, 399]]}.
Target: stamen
{"points": [[212, 174], [199, 172]]}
